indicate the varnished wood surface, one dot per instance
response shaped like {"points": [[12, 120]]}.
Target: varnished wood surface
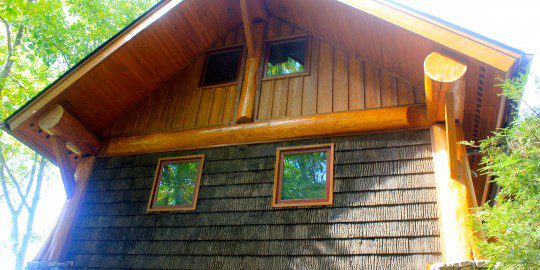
{"points": [[57, 121], [335, 81], [291, 128], [453, 200], [181, 104]]}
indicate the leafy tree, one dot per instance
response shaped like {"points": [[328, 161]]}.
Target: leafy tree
{"points": [[38, 41], [177, 183], [304, 176], [512, 157]]}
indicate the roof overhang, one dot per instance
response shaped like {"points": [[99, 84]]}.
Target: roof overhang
{"points": [[375, 30]]}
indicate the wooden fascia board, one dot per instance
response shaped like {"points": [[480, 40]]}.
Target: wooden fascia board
{"points": [[486, 52], [89, 63]]}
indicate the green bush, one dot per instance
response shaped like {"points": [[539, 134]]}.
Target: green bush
{"points": [[511, 228]]}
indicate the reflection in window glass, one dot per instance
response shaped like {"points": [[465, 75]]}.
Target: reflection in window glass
{"points": [[304, 176], [286, 58], [177, 183]]}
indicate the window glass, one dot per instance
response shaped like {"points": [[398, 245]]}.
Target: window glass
{"points": [[176, 184], [304, 176], [286, 57], [222, 67]]}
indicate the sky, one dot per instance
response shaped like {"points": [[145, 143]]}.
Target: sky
{"points": [[515, 23]]}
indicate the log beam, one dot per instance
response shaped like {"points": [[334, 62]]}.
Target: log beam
{"points": [[292, 128], [57, 121], [253, 16], [443, 74]]}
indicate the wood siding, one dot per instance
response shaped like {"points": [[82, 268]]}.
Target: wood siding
{"points": [[180, 103], [384, 214], [336, 81]]}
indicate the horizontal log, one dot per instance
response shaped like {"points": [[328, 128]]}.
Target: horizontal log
{"points": [[293, 128], [57, 121]]}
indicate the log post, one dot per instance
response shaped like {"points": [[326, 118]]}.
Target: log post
{"points": [[254, 28], [64, 164], [442, 75], [57, 121], [55, 247], [454, 201]]}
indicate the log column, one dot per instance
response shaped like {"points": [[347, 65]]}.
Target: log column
{"points": [[253, 16], [445, 100]]}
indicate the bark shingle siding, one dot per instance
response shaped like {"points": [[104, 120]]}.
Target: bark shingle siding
{"points": [[384, 214]]}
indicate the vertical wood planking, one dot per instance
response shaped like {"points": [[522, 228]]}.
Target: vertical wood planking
{"points": [[279, 106], [356, 84], [230, 102], [294, 100], [273, 28], [309, 97], [405, 92], [266, 100], [340, 82], [324, 85], [419, 95], [203, 115], [372, 86], [158, 108], [388, 90], [216, 112], [192, 109]]}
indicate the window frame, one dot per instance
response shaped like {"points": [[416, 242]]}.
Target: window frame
{"points": [[278, 176], [222, 50], [307, 59], [152, 207]]}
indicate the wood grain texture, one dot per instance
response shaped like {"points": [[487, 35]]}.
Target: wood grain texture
{"points": [[375, 120]]}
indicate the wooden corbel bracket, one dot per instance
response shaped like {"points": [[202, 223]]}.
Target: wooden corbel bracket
{"points": [[67, 133]]}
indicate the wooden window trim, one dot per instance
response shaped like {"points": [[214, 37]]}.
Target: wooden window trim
{"points": [[307, 59], [278, 176], [157, 178], [219, 50]]}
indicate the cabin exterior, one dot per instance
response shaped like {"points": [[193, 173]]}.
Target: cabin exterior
{"points": [[271, 134]]}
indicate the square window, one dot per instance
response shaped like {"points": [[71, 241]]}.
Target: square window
{"points": [[304, 176], [176, 184], [287, 57], [221, 66]]}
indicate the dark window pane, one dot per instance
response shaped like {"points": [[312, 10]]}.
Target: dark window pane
{"points": [[177, 183], [286, 58], [222, 67], [304, 176]]}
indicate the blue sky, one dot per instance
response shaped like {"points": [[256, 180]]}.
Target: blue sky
{"points": [[515, 23]]}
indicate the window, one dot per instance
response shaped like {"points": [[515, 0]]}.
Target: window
{"points": [[286, 57], [176, 184], [304, 176], [221, 66]]}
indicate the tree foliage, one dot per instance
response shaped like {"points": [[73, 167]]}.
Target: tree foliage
{"points": [[177, 183], [39, 40], [512, 157], [304, 176]]}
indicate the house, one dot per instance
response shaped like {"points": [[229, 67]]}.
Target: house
{"points": [[271, 134]]}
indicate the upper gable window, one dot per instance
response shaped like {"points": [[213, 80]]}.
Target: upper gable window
{"points": [[221, 66], [176, 184], [304, 176], [286, 57]]}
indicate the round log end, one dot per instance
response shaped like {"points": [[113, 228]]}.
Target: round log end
{"points": [[50, 118], [442, 68]]}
